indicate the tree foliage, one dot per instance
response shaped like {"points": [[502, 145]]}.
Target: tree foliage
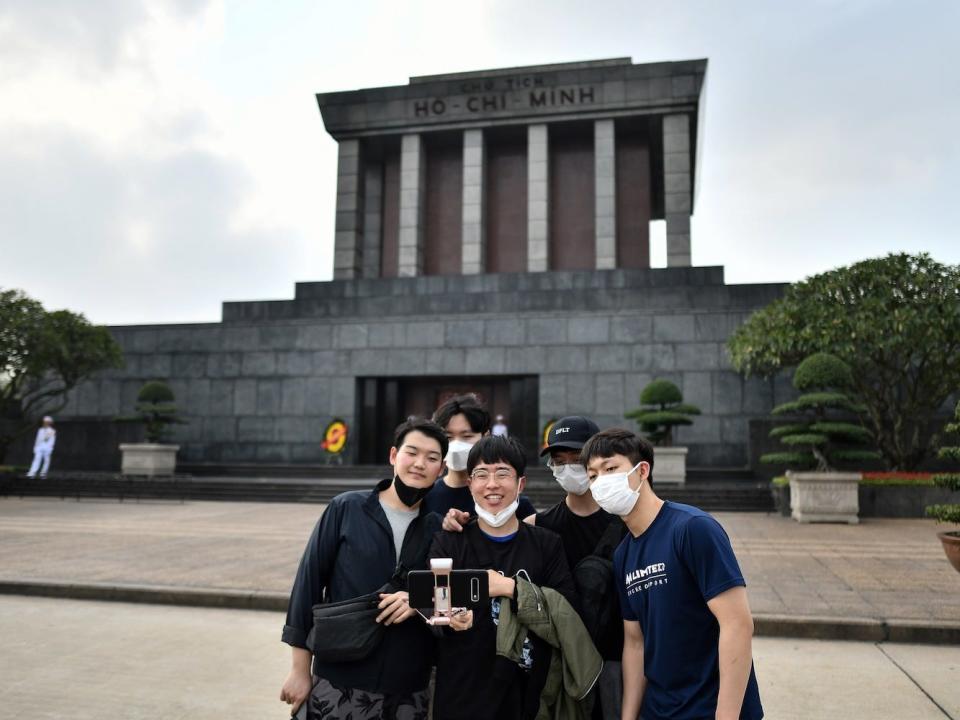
{"points": [[821, 440], [894, 320], [950, 512], [44, 355], [661, 409], [157, 410]]}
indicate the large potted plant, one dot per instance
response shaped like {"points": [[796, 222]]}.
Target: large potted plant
{"points": [[949, 513], [661, 410], [819, 435], [157, 410]]}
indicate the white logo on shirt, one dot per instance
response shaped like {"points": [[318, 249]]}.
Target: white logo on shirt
{"points": [[645, 578]]}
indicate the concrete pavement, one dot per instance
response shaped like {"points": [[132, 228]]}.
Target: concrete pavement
{"points": [[882, 579], [89, 660]]}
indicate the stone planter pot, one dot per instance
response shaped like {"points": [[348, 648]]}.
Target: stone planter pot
{"points": [[824, 496], [148, 459], [670, 465], [951, 546]]}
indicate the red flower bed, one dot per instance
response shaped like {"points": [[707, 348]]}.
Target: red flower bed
{"points": [[906, 477]]}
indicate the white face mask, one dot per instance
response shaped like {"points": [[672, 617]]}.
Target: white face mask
{"points": [[613, 493], [500, 518], [457, 452], [572, 477]]}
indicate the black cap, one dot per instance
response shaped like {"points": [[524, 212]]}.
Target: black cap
{"points": [[570, 433]]}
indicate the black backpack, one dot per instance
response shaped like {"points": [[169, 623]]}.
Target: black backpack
{"points": [[593, 577]]}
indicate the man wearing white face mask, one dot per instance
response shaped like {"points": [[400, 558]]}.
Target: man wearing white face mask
{"points": [[686, 621], [473, 682], [465, 420], [587, 530]]}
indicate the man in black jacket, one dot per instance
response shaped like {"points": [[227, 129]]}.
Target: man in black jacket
{"points": [[355, 549], [473, 683]]}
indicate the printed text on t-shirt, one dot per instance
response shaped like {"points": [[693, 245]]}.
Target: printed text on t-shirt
{"points": [[645, 578]]}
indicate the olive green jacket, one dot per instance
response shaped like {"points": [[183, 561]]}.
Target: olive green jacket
{"points": [[575, 663]]}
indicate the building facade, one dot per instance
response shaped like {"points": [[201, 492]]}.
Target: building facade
{"points": [[492, 235]]}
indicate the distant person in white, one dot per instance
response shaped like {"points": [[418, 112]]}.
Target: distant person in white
{"points": [[43, 448], [499, 427]]}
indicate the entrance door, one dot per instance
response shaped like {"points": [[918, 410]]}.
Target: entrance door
{"points": [[383, 403]]}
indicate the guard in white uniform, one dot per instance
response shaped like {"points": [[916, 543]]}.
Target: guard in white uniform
{"points": [[43, 448]]}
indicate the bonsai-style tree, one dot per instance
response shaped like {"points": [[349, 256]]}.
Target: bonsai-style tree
{"points": [[821, 439], [894, 320], [662, 409], [157, 410], [949, 513]]}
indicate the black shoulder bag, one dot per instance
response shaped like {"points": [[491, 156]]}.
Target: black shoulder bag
{"points": [[348, 630]]}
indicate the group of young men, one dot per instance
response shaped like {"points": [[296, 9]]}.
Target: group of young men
{"points": [[676, 645]]}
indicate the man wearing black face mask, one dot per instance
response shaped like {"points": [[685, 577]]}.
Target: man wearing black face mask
{"points": [[362, 541]]}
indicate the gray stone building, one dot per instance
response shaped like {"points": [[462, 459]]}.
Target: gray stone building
{"points": [[492, 235]]}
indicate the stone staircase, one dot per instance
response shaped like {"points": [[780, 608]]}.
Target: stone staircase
{"points": [[709, 489]]}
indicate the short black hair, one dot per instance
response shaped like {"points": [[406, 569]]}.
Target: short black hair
{"points": [[497, 448], [421, 425], [617, 441], [470, 407]]}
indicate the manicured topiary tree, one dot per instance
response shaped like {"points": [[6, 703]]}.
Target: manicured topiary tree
{"points": [[824, 436], [948, 513], [662, 409], [157, 410], [894, 320]]}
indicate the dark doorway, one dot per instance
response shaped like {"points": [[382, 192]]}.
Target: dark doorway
{"points": [[383, 403]]}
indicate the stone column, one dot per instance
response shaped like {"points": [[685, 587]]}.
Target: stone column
{"points": [[474, 236], [605, 188], [348, 230], [677, 188], [372, 219], [412, 176], [538, 186]]}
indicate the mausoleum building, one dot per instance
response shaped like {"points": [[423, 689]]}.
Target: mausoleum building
{"points": [[492, 235]]}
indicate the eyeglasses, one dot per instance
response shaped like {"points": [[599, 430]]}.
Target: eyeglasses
{"points": [[500, 474]]}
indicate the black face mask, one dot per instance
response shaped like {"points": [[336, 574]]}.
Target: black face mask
{"points": [[409, 496]]}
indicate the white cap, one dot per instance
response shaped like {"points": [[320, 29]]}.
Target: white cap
{"points": [[47, 418]]}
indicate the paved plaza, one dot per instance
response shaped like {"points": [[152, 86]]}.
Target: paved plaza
{"points": [[93, 660], [886, 570]]}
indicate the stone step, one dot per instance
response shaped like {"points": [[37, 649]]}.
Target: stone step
{"points": [[541, 489]]}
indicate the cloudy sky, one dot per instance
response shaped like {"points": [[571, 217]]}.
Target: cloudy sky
{"points": [[157, 158]]}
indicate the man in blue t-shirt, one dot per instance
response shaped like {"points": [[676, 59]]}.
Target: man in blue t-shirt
{"points": [[688, 630]]}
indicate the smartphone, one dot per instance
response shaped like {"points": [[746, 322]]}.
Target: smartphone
{"points": [[467, 588]]}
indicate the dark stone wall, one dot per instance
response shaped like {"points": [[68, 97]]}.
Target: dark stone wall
{"points": [[506, 204], [634, 199], [262, 385], [88, 444], [443, 206], [572, 203]]}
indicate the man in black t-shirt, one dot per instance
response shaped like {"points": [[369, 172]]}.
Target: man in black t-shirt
{"points": [[581, 524], [473, 682]]}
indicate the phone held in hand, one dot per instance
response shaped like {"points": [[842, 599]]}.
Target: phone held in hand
{"points": [[446, 591]]}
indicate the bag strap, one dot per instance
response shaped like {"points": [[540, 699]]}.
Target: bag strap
{"points": [[412, 552]]}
